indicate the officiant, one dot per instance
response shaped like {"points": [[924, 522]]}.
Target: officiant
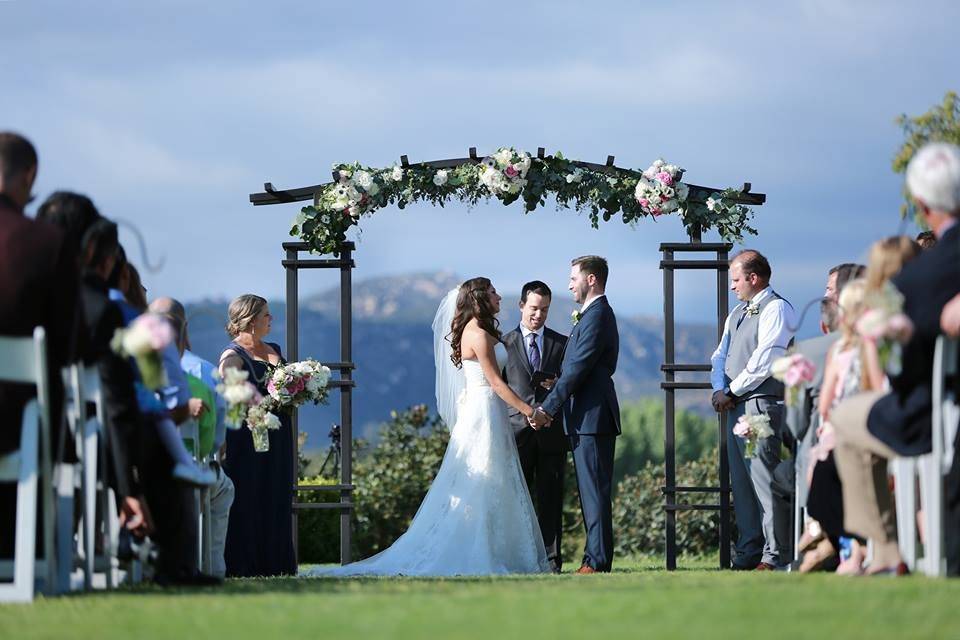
{"points": [[534, 354]]}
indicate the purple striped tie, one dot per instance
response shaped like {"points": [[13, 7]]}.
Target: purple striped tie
{"points": [[534, 352]]}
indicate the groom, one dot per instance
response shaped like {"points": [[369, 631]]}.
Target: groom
{"points": [[534, 354], [585, 393]]}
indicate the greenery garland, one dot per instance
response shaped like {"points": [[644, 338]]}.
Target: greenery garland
{"points": [[510, 175]]}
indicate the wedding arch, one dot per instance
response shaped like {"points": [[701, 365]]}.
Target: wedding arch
{"points": [[602, 191]]}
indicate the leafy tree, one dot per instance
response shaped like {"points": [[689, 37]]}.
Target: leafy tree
{"points": [[940, 124]]}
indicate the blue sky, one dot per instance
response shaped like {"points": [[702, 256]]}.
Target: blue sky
{"points": [[169, 114]]}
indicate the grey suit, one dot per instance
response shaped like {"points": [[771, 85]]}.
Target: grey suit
{"points": [[762, 537], [543, 452]]}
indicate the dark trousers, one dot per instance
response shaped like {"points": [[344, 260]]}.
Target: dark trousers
{"points": [[593, 461], [543, 471]]}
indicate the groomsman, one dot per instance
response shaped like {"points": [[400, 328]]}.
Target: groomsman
{"points": [[756, 333], [534, 354]]}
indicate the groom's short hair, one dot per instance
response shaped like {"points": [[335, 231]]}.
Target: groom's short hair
{"points": [[594, 265], [537, 287]]}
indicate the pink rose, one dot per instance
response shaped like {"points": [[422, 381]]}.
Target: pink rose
{"points": [[742, 428], [511, 172], [665, 178], [900, 328], [655, 211], [295, 386], [271, 387], [644, 202]]}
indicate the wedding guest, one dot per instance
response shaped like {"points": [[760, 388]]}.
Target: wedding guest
{"points": [[873, 427], [755, 333], [853, 366], [926, 239], [887, 258], [222, 491], [95, 238], [259, 534], [38, 288], [534, 354]]}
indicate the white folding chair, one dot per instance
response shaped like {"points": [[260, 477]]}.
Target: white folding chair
{"points": [[190, 430], [24, 360], [931, 469]]}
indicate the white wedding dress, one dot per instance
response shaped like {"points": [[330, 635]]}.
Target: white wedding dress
{"points": [[477, 518]]}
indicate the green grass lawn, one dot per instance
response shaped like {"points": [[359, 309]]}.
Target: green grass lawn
{"points": [[639, 599]]}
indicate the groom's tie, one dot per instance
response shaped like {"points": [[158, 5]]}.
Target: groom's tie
{"points": [[534, 352]]}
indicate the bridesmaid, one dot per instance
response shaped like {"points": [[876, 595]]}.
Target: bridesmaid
{"points": [[259, 533]]}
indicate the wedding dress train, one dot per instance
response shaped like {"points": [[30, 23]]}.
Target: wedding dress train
{"points": [[477, 518]]}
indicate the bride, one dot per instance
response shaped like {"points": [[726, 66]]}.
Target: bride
{"points": [[477, 518]]}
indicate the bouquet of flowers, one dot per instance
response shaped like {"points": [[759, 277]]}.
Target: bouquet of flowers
{"points": [[885, 324], [295, 383], [793, 370], [260, 420], [505, 172], [143, 340], [239, 394], [660, 191], [752, 429]]}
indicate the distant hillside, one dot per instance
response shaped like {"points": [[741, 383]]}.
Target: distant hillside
{"points": [[393, 345]]}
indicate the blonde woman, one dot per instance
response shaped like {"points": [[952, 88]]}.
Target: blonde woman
{"points": [[259, 535]]}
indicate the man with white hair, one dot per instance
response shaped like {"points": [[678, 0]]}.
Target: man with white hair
{"points": [[875, 426]]}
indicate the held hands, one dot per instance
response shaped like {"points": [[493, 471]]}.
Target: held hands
{"points": [[539, 419]]}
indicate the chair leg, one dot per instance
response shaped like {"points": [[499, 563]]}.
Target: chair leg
{"points": [[24, 567], [904, 473], [931, 497], [90, 459], [65, 543]]}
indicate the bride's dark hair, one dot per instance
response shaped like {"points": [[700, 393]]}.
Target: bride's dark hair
{"points": [[473, 301]]}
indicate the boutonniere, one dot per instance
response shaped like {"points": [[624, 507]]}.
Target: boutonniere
{"points": [[753, 309], [575, 317]]}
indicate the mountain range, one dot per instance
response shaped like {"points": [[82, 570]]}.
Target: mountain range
{"points": [[393, 346]]}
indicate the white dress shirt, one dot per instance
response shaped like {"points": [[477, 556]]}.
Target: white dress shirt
{"points": [[590, 301], [526, 341], [776, 327]]}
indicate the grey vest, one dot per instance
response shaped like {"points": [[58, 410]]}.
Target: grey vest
{"points": [[743, 342]]}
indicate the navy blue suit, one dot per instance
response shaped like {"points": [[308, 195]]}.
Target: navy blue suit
{"points": [[588, 399]]}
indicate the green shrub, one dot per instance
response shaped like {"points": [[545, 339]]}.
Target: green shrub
{"points": [[318, 530], [639, 519]]}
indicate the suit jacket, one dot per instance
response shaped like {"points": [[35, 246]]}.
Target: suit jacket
{"points": [[38, 287], [585, 390], [518, 374], [123, 419], [902, 418]]}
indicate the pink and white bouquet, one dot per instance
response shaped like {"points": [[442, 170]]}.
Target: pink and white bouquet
{"points": [[660, 191], [885, 324], [752, 429], [295, 383], [505, 172], [792, 371], [143, 340]]}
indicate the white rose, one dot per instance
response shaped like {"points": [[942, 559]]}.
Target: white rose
{"points": [[344, 175], [362, 179], [711, 203], [440, 178], [238, 394], [658, 163], [355, 212], [504, 156], [271, 421]]}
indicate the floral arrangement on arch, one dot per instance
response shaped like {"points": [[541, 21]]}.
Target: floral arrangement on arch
{"points": [[510, 175]]}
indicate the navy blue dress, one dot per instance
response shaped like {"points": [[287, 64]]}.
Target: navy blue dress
{"points": [[259, 534]]}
